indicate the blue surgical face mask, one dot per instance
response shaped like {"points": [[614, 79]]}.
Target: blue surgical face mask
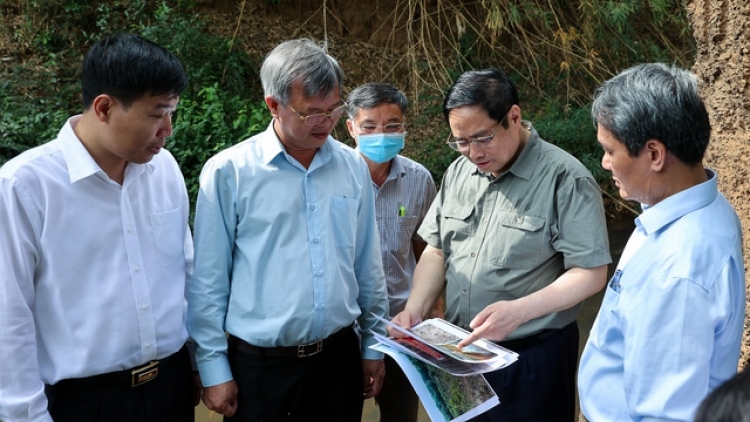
{"points": [[381, 147]]}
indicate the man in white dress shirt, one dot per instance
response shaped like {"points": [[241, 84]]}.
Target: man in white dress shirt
{"points": [[96, 252]]}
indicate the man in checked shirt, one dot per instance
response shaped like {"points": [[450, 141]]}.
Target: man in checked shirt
{"points": [[404, 190]]}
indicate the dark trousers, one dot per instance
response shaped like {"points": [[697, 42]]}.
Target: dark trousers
{"points": [[397, 401], [104, 398], [540, 386], [326, 386]]}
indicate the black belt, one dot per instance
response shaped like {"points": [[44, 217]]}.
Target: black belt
{"points": [[301, 351], [132, 377], [527, 342]]}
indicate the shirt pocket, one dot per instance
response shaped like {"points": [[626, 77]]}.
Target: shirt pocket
{"points": [[343, 221], [400, 236], [456, 222], [168, 228], [606, 331], [517, 241]]}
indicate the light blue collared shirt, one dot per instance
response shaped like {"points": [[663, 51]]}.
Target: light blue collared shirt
{"points": [[284, 255], [669, 329]]}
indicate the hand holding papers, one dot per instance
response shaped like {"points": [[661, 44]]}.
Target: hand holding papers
{"points": [[448, 380], [434, 342]]}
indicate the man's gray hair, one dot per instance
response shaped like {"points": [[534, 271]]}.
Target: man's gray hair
{"points": [[302, 61], [373, 94], [655, 101]]}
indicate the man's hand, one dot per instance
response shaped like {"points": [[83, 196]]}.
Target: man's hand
{"points": [[221, 398], [403, 319], [197, 388], [495, 322], [373, 372]]}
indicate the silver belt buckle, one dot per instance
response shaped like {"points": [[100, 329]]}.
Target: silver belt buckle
{"points": [[302, 349]]}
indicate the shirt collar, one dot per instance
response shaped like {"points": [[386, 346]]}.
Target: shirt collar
{"points": [[397, 169], [80, 163], [270, 147], [655, 217]]}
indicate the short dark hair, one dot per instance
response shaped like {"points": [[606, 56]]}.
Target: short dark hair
{"points": [[127, 67], [490, 89], [371, 95], [655, 101], [729, 402]]}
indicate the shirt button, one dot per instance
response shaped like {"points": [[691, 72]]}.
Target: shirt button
{"points": [[316, 240], [319, 273], [463, 292], [484, 220], [130, 230], [144, 307], [312, 207], [148, 345], [473, 254], [137, 268]]}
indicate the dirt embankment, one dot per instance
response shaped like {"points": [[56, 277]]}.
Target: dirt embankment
{"points": [[722, 32]]}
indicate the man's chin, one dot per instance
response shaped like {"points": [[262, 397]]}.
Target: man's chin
{"points": [[142, 159]]}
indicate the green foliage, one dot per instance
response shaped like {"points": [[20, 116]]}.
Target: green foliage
{"points": [[27, 121], [430, 149], [209, 122], [556, 52], [571, 129], [208, 59], [36, 97]]}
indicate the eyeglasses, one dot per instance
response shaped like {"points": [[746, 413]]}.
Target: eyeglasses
{"points": [[462, 145], [369, 128], [316, 119]]}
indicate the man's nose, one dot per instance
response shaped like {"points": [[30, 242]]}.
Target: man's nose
{"points": [[475, 151], [166, 127]]}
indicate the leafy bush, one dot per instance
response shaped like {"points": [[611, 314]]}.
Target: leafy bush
{"points": [[38, 95], [573, 131], [209, 122], [27, 122], [556, 52]]}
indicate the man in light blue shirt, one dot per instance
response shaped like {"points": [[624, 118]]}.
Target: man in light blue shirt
{"points": [[670, 325], [287, 257]]}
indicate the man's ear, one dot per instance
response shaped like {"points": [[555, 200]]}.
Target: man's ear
{"points": [[514, 115], [350, 126], [102, 106], [273, 106], [657, 153]]}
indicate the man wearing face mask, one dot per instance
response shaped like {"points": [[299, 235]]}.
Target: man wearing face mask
{"points": [[404, 190]]}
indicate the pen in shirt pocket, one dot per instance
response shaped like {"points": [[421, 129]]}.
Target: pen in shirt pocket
{"points": [[401, 211], [614, 283]]}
